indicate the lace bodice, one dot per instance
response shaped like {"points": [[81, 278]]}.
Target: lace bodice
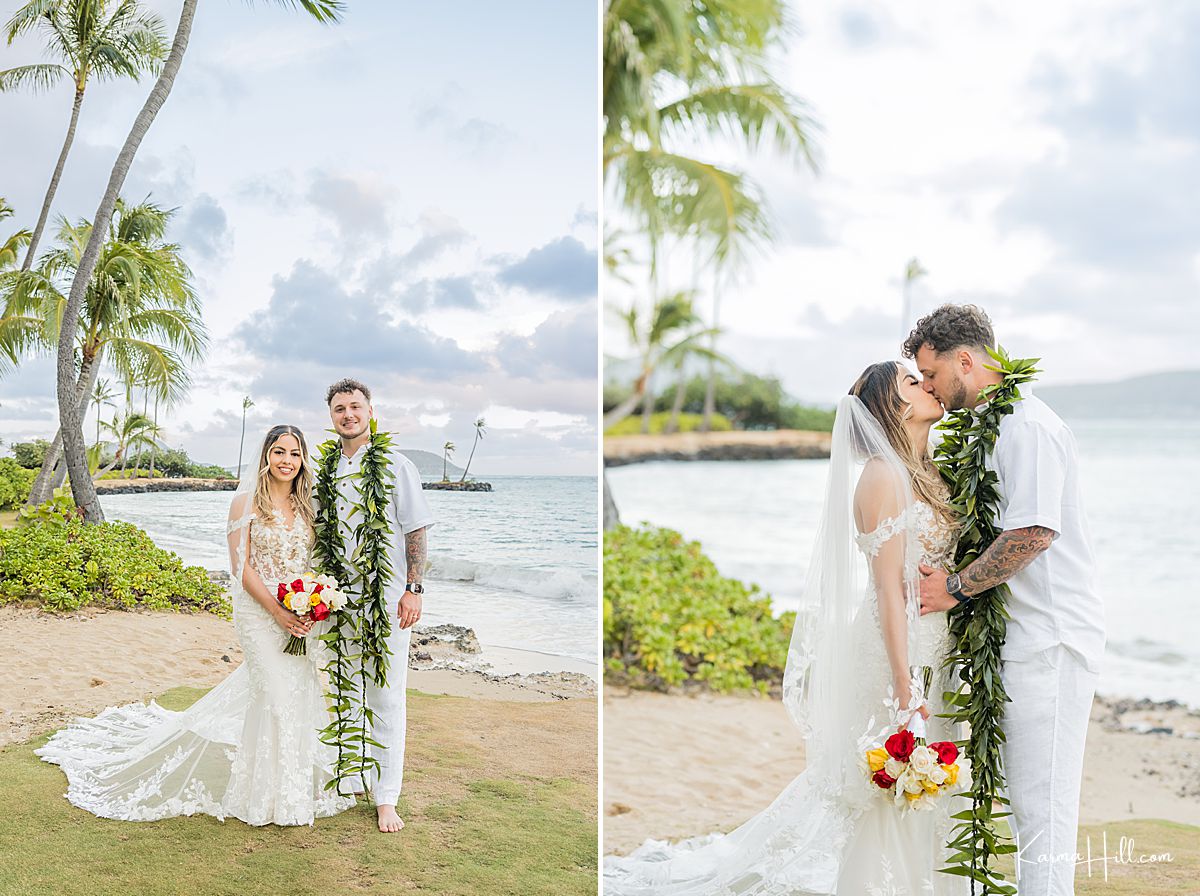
{"points": [[935, 539], [279, 552]]}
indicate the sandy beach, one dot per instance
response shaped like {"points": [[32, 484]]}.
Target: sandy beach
{"points": [[56, 667], [678, 766]]}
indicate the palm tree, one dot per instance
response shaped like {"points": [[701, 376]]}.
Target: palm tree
{"points": [[143, 316], [479, 431], [912, 273], [10, 249], [670, 333], [680, 73], [247, 404], [447, 450], [73, 446], [131, 430], [90, 41], [102, 395]]}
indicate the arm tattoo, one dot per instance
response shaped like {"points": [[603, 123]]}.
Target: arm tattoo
{"points": [[414, 554], [1011, 552]]}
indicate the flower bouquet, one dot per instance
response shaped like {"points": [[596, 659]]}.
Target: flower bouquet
{"points": [[310, 597], [911, 771]]}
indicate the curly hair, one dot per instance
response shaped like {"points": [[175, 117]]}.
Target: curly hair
{"points": [[950, 327], [302, 484], [348, 386]]}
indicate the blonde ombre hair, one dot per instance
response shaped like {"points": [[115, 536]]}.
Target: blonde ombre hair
{"points": [[877, 390], [302, 484]]}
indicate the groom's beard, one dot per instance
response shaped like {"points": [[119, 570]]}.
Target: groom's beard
{"points": [[958, 398], [350, 437]]}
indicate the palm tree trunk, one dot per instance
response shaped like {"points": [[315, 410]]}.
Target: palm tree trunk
{"points": [[677, 405], [54, 179], [73, 445], [611, 517], [710, 388], [647, 407], [623, 410], [241, 443], [473, 444], [53, 473], [154, 444], [137, 458], [445, 461]]}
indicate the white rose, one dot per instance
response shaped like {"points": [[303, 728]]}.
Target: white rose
{"points": [[894, 768], [909, 782], [937, 776], [333, 598], [923, 760], [299, 602]]}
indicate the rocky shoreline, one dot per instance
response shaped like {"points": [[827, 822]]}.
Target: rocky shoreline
{"points": [[184, 484], [473, 486], [781, 444]]}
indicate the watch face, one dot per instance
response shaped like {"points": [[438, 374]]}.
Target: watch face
{"points": [[953, 583], [416, 588]]}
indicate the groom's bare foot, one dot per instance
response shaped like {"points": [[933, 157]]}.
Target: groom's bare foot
{"points": [[389, 821]]}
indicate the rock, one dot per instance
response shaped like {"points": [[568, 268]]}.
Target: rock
{"points": [[142, 486], [473, 485], [225, 658], [455, 636]]}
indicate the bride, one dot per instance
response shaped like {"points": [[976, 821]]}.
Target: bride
{"points": [[249, 748], [855, 673]]}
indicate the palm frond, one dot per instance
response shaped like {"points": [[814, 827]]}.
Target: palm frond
{"points": [[38, 78]]}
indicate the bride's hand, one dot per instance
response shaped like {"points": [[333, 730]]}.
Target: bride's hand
{"points": [[903, 694], [291, 623]]}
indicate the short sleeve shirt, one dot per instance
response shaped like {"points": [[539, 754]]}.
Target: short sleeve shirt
{"points": [[408, 512], [1054, 599]]}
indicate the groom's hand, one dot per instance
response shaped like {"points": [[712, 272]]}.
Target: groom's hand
{"points": [[934, 596], [409, 610]]}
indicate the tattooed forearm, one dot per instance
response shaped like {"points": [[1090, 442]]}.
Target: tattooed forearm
{"points": [[1011, 552], [414, 554]]}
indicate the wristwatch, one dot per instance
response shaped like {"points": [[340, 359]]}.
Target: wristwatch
{"points": [[415, 587], [954, 587]]}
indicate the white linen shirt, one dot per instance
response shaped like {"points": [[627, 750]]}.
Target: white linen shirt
{"points": [[1054, 599], [409, 511]]}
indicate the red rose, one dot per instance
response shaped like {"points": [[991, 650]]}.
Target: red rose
{"points": [[320, 611], [883, 779], [298, 585], [282, 591], [900, 745], [317, 588], [946, 751]]}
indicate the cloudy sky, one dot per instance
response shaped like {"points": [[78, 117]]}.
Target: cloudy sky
{"points": [[1040, 160], [408, 197]]}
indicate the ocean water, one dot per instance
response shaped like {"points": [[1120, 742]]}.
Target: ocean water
{"points": [[518, 564], [757, 521]]}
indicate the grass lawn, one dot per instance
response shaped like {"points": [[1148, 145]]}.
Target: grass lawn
{"points": [[1126, 876], [498, 799]]}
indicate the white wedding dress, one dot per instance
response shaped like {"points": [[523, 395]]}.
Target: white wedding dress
{"points": [[248, 749], [831, 831]]}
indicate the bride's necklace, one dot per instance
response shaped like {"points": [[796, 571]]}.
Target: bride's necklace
{"points": [[977, 626]]}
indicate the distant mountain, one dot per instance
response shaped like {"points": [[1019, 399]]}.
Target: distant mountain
{"points": [[1174, 395], [429, 465]]}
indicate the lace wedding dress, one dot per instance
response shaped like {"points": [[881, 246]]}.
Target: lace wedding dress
{"points": [[248, 749], [831, 831]]}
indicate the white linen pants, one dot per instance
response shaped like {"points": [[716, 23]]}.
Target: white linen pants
{"points": [[1045, 729], [389, 707]]}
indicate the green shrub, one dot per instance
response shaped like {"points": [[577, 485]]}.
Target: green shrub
{"points": [[670, 617], [69, 565], [30, 455], [54, 513], [687, 423], [15, 483]]}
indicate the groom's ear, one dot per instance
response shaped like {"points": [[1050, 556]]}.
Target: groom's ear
{"points": [[966, 360]]}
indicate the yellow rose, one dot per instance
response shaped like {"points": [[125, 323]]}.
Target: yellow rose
{"points": [[877, 758], [913, 797], [314, 600], [929, 786], [951, 773]]}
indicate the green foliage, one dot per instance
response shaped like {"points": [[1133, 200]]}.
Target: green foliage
{"points": [[30, 455], [746, 400], [670, 617], [54, 513], [70, 564], [15, 483], [687, 423], [978, 625], [357, 639]]}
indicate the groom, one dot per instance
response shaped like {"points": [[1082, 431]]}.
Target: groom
{"points": [[1056, 632], [350, 410]]}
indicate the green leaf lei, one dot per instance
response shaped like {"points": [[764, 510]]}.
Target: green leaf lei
{"points": [[977, 627], [357, 639]]}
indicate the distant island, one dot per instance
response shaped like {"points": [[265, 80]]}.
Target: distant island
{"points": [[1167, 396]]}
